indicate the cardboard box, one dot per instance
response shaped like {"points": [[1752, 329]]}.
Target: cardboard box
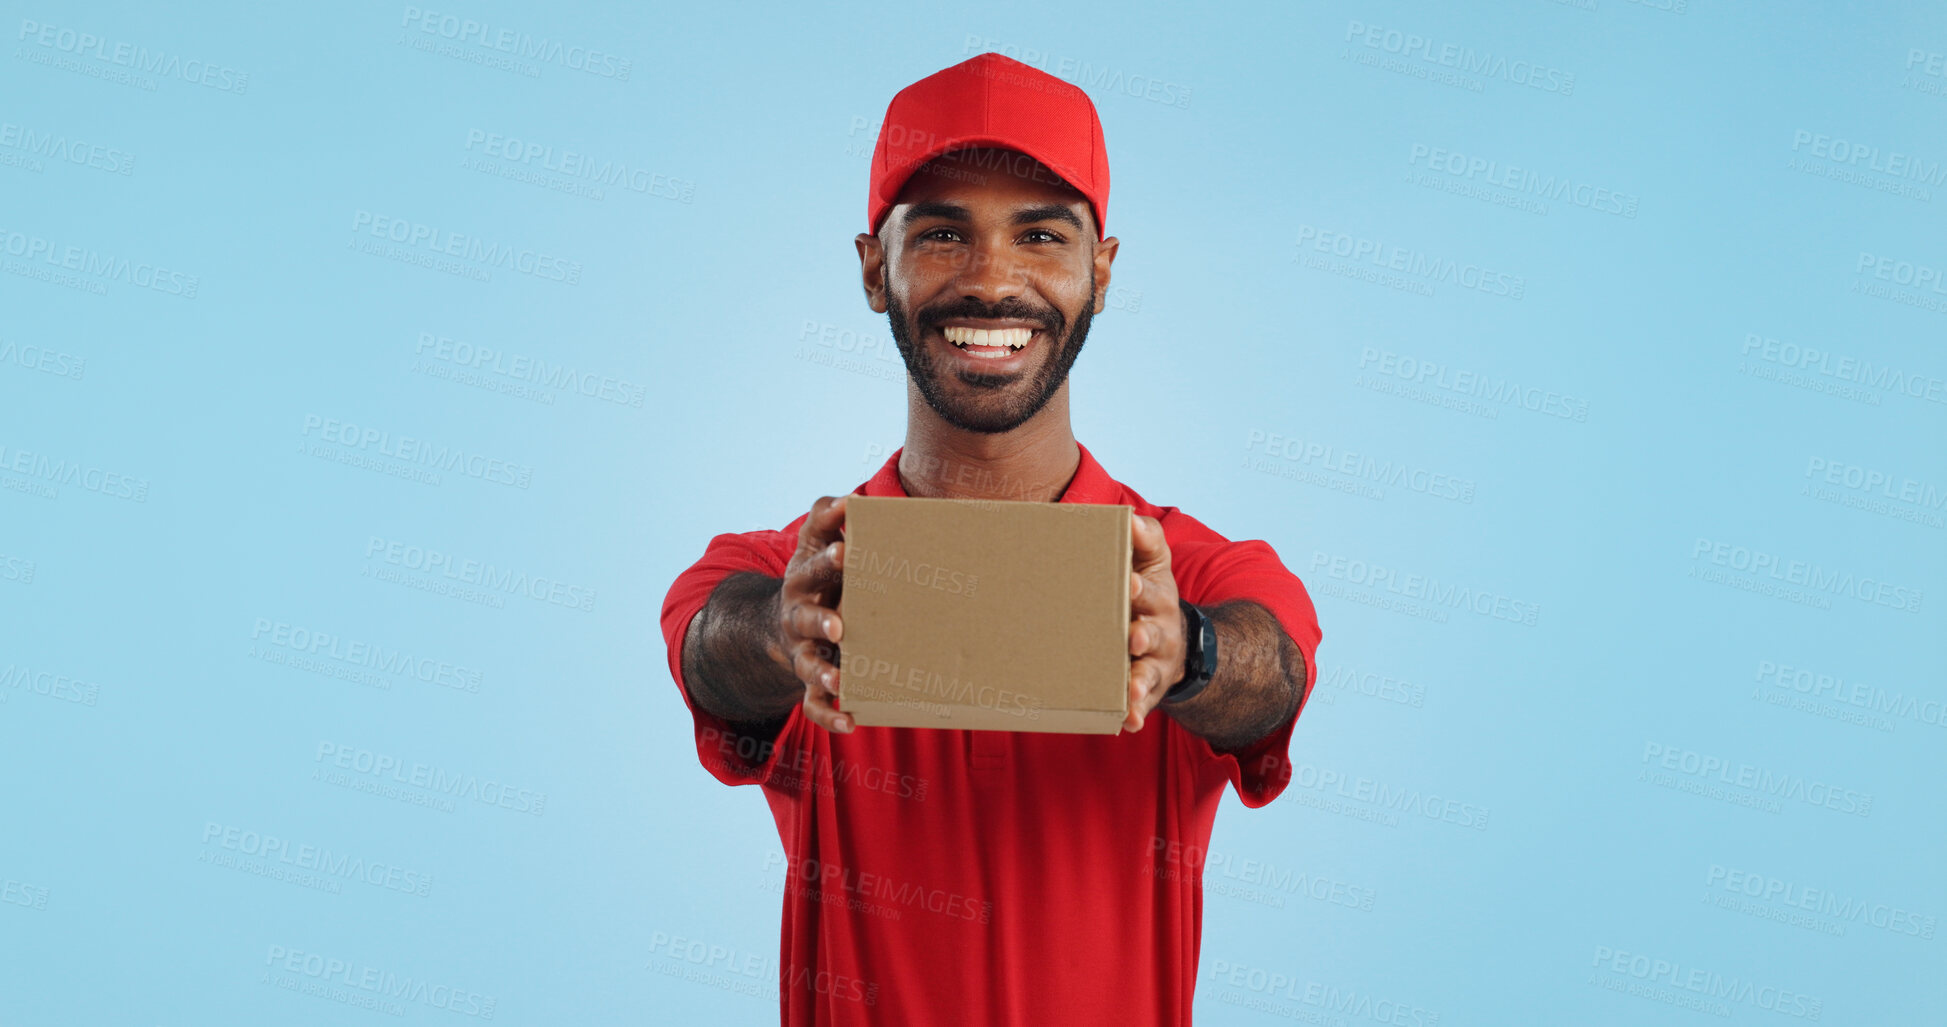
{"points": [[985, 614]]}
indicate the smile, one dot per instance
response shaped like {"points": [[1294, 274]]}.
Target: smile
{"points": [[988, 343]]}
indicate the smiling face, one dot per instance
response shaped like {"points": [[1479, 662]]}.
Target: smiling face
{"points": [[989, 271]]}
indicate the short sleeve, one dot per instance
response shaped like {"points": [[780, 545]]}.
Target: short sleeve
{"points": [[1214, 571], [729, 756]]}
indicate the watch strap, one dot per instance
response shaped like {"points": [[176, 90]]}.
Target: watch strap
{"points": [[1199, 657]]}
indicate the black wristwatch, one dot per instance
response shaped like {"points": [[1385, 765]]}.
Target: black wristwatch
{"points": [[1199, 657]]}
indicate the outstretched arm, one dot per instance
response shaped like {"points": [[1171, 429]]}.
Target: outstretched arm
{"points": [[1260, 675], [762, 645], [1259, 681]]}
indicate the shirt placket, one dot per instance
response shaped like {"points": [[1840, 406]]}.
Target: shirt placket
{"points": [[988, 750]]}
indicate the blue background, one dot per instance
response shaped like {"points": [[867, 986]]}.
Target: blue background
{"points": [[182, 513]]}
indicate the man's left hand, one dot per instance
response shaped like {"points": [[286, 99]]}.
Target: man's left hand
{"points": [[1156, 645]]}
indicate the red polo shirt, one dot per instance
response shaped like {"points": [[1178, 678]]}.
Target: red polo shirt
{"points": [[938, 876]]}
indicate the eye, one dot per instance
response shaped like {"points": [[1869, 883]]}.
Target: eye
{"points": [[940, 234], [1041, 235]]}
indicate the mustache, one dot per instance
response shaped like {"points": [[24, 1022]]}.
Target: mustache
{"points": [[1008, 309]]}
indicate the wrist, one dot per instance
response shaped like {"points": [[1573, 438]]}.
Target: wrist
{"points": [[1199, 654], [1184, 626], [780, 636]]}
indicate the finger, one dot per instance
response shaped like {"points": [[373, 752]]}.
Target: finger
{"points": [[1143, 677], [820, 689], [819, 623], [1139, 704], [811, 663], [1144, 635], [821, 527], [1135, 586], [819, 710], [820, 574], [1151, 548]]}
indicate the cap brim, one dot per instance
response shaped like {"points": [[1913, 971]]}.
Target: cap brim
{"points": [[898, 179]]}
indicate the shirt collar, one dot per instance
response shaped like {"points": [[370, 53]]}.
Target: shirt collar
{"points": [[1091, 483]]}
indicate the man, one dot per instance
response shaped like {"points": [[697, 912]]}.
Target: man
{"points": [[939, 876]]}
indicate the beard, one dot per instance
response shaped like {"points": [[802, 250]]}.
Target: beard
{"points": [[987, 403]]}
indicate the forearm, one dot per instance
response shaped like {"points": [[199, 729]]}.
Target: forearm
{"points": [[1259, 681], [733, 664]]}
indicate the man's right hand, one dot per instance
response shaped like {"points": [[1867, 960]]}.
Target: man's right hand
{"points": [[808, 626]]}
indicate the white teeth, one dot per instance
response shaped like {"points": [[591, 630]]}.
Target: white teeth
{"points": [[1012, 338]]}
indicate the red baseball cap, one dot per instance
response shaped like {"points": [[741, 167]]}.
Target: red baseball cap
{"points": [[992, 101]]}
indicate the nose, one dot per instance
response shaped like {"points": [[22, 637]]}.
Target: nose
{"points": [[992, 273]]}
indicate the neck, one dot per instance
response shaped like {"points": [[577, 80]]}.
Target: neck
{"points": [[1034, 462]]}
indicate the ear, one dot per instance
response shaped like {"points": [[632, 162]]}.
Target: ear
{"points": [[872, 269], [1104, 256]]}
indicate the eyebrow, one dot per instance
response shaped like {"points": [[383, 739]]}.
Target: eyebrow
{"points": [[937, 209], [1047, 212], [1024, 216]]}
